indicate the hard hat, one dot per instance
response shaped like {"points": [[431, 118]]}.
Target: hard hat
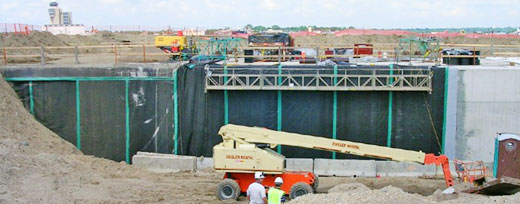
{"points": [[259, 175], [278, 180]]}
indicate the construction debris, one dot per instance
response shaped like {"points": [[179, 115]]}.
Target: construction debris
{"points": [[501, 186]]}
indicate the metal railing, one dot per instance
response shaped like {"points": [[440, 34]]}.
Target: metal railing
{"points": [[321, 79]]}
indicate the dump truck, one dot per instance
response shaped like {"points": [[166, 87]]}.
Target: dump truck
{"points": [[245, 150]]}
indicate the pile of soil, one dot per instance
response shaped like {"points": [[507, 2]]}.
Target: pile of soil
{"points": [[37, 166], [359, 193], [350, 40], [35, 39]]}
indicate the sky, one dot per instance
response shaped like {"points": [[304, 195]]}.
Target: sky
{"points": [[382, 14]]}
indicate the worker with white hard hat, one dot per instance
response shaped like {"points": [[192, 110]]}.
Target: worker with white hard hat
{"points": [[275, 194], [256, 191]]}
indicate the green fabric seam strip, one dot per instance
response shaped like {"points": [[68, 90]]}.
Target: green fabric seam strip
{"points": [[175, 114], [495, 162], [85, 78], [127, 123], [446, 81], [335, 109], [390, 101], [279, 106], [31, 98], [78, 118], [226, 105]]}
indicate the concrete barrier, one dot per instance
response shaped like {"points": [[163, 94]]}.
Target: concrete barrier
{"points": [[298, 164], [391, 168], [164, 163], [204, 163], [329, 167]]}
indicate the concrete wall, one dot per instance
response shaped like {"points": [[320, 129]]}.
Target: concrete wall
{"points": [[166, 163], [488, 101]]}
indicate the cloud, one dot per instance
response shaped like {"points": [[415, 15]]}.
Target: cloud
{"points": [[269, 4], [9, 5], [110, 1]]}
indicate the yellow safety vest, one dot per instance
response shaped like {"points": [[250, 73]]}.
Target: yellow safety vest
{"points": [[274, 196]]}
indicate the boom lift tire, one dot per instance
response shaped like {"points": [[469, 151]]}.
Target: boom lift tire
{"points": [[228, 189], [299, 189]]}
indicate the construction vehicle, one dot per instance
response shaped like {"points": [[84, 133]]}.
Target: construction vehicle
{"points": [[426, 48], [246, 150], [216, 49], [179, 45]]}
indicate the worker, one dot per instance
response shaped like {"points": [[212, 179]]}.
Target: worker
{"points": [[256, 191], [275, 195]]}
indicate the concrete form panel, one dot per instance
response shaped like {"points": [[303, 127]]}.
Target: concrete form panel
{"points": [[329, 167], [299, 164], [488, 101], [164, 163]]}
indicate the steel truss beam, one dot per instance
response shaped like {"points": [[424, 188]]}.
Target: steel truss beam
{"points": [[322, 79]]}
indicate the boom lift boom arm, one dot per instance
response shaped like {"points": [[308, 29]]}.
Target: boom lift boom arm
{"points": [[235, 136]]}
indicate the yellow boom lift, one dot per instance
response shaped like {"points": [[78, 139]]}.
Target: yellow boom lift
{"points": [[244, 151]]}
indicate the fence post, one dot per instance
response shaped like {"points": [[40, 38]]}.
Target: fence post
{"points": [[279, 55], [115, 54], [5, 56], [76, 53], [317, 55], [474, 56], [42, 55], [144, 53]]}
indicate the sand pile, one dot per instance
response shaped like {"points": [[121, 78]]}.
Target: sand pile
{"points": [[359, 193], [31, 40], [37, 166]]}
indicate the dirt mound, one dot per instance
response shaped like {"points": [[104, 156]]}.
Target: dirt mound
{"points": [[349, 187], [387, 194], [350, 40], [37, 166], [35, 39], [359, 193]]}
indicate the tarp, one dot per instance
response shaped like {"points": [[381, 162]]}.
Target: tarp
{"points": [[102, 108], [362, 116], [261, 38]]}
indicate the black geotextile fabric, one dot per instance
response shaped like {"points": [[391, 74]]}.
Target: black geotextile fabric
{"points": [[362, 116], [103, 130], [418, 116], [49, 107]]}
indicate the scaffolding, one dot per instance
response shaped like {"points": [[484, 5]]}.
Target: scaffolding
{"points": [[319, 79], [219, 48]]}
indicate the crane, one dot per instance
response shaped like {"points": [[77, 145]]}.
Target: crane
{"points": [[245, 150]]}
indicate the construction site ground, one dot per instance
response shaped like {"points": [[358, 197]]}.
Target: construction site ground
{"points": [[37, 166], [40, 167]]}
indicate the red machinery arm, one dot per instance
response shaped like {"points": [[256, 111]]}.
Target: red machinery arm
{"points": [[444, 162]]}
